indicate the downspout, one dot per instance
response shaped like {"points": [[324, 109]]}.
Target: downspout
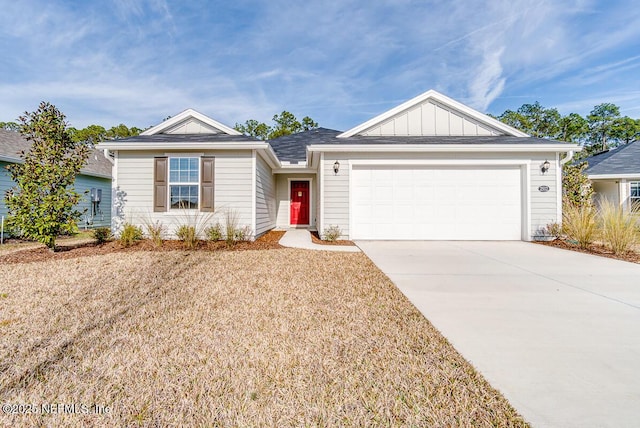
{"points": [[567, 158]]}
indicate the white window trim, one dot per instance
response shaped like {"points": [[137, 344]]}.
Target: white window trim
{"points": [[632, 198], [169, 183]]}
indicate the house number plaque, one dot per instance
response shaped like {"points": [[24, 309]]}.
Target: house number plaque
{"points": [[543, 188]]}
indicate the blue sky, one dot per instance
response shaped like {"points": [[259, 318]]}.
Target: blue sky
{"points": [[340, 62]]}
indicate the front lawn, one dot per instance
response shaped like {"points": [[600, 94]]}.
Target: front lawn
{"points": [[231, 338]]}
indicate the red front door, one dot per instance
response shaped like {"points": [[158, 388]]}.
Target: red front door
{"points": [[299, 202]]}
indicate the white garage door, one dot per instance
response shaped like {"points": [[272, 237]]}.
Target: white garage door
{"points": [[473, 203]]}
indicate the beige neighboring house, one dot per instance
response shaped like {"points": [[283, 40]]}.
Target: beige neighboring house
{"points": [[430, 168], [615, 175]]}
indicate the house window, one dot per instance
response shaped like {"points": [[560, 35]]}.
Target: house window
{"points": [[184, 176], [634, 196]]}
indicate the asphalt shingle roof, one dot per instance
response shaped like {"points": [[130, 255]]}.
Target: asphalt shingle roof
{"points": [[12, 143], [293, 147], [624, 159]]}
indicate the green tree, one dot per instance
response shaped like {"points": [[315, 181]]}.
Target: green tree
{"points": [[626, 130], [285, 123], [576, 187], [573, 128], [253, 128], [534, 119], [41, 205], [91, 134], [9, 126], [601, 125]]}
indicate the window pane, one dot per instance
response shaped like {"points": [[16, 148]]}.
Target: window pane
{"points": [[173, 164], [193, 176], [173, 176], [193, 163], [184, 197], [184, 176], [184, 163]]}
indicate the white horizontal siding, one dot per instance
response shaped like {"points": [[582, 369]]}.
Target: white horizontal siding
{"points": [[543, 205], [232, 191], [265, 197]]}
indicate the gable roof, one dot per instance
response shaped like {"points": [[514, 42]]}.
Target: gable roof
{"points": [[190, 122], [12, 143], [623, 160], [432, 114], [293, 148]]}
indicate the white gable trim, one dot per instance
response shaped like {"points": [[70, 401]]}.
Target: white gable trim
{"points": [[442, 99], [189, 113]]}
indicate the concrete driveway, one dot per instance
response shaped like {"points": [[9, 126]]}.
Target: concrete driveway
{"points": [[556, 331]]}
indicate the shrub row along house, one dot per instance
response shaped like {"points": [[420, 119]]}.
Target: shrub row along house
{"points": [[94, 181], [430, 168]]}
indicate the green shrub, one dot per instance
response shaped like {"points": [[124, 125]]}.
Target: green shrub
{"points": [[187, 234], [155, 231], [102, 234], [331, 233], [214, 233], [130, 233], [617, 228], [579, 224], [242, 234], [230, 226]]}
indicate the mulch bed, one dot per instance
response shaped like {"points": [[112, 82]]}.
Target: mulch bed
{"points": [[267, 241], [315, 238], [595, 249]]}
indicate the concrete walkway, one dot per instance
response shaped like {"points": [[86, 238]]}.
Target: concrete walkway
{"points": [[301, 238], [556, 331]]}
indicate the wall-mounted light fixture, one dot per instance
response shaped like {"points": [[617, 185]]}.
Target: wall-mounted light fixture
{"points": [[336, 167], [545, 167]]}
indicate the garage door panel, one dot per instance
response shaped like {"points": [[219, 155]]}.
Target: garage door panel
{"points": [[436, 203]]}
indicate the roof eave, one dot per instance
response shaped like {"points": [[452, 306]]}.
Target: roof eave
{"points": [[443, 148], [230, 145], [632, 175]]}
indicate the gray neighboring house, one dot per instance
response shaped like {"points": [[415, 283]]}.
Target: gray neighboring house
{"points": [[95, 179], [430, 168], [615, 175]]}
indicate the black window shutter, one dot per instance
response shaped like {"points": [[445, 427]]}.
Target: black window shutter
{"points": [[207, 183], [160, 184]]}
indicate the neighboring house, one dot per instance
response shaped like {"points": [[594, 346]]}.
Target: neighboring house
{"points": [[615, 175], [431, 168], [94, 179]]}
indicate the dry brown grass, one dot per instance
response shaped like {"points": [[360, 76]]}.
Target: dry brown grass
{"points": [[252, 338]]}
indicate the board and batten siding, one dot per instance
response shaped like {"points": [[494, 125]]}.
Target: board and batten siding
{"points": [[430, 118], [543, 205], [233, 189], [265, 197]]}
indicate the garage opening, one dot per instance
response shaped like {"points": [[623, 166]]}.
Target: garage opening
{"points": [[436, 203]]}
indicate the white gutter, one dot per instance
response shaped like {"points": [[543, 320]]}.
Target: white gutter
{"points": [[567, 158], [442, 148], [612, 176], [183, 146]]}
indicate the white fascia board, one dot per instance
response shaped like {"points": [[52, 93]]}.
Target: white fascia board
{"points": [[185, 115], [116, 145], [442, 99], [10, 159], [301, 170], [398, 148], [613, 176]]}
